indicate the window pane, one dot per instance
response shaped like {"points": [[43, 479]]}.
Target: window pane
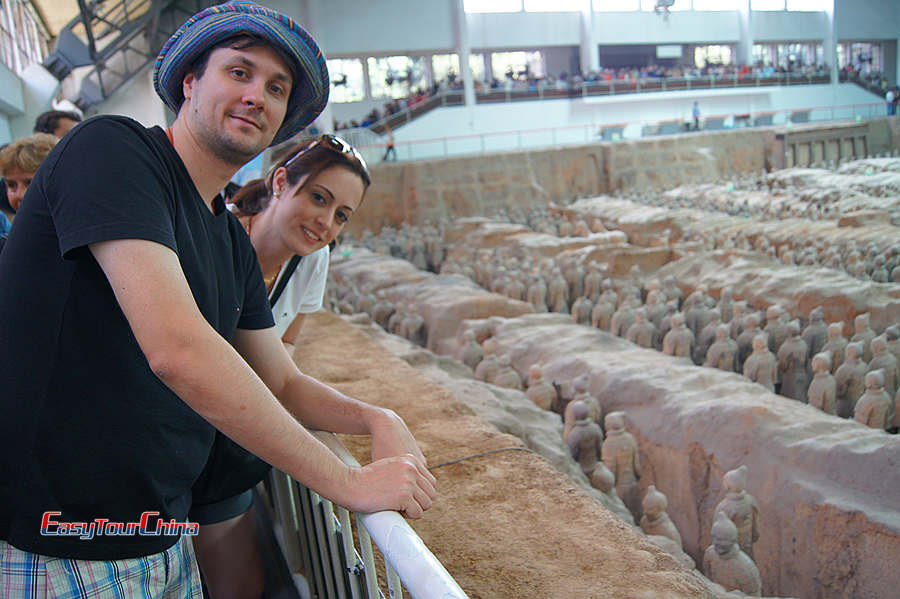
{"points": [[811, 5], [718, 4], [446, 67], [616, 5], [517, 65], [492, 5], [396, 76], [346, 79], [708, 56], [553, 5], [766, 4]]}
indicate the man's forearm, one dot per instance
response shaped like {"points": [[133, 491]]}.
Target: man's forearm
{"points": [[321, 407], [211, 377]]}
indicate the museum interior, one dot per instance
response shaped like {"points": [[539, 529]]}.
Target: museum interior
{"points": [[629, 270]]}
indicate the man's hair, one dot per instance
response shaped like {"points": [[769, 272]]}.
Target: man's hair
{"points": [[26, 154], [241, 41], [48, 122]]}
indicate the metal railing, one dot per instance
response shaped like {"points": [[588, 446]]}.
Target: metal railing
{"points": [[598, 88], [524, 139], [319, 541]]}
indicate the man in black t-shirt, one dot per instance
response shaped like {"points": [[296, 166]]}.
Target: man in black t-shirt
{"points": [[134, 320]]}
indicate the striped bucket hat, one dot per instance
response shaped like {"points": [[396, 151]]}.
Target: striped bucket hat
{"points": [[309, 93]]}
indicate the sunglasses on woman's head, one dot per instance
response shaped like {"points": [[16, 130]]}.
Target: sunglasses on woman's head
{"points": [[336, 144]]}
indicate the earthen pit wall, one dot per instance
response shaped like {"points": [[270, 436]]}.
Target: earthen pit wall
{"points": [[448, 188], [826, 487]]}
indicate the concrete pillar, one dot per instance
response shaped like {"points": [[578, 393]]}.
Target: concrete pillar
{"points": [[745, 41], [590, 58], [307, 15], [829, 43], [463, 50]]}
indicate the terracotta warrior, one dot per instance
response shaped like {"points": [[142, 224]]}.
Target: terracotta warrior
{"points": [[585, 440], [816, 332], [726, 305], [863, 334], [609, 294], [470, 353], [601, 315], [761, 366], [593, 282], [722, 354], [623, 318], [540, 391], [382, 312], [582, 395], [678, 342], [739, 311], [537, 294], [884, 360], [724, 562], [741, 508], [707, 336], [792, 364], [656, 521], [822, 392], [506, 375], [836, 345], [581, 310], [874, 406], [604, 481], [775, 327], [745, 339], [620, 454], [642, 332], [892, 336], [489, 366], [672, 291], [558, 294], [850, 380]]}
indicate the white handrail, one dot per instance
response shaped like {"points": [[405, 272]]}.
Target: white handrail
{"points": [[419, 570]]}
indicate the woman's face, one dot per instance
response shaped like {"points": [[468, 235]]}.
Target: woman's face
{"points": [[17, 183], [311, 214]]}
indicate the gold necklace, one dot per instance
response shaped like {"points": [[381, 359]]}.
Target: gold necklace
{"points": [[269, 281]]}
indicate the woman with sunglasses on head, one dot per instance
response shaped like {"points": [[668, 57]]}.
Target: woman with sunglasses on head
{"points": [[291, 217]]}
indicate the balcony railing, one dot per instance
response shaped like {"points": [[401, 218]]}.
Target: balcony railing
{"points": [[597, 88], [319, 540]]}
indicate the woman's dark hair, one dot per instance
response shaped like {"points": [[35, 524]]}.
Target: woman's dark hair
{"points": [[253, 197]]}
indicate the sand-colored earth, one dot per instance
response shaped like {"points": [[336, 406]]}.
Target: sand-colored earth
{"points": [[506, 524]]}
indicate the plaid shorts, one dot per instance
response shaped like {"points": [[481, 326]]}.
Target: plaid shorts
{"points": [[169, 574]]}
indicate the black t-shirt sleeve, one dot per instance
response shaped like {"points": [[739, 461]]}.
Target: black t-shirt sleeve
{"points": [[256, 314], [123, 192]]}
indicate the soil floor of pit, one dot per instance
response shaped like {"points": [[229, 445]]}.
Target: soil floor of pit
{"points": [[505, 524]]}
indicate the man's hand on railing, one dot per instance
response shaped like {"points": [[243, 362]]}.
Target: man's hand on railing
{"points": [[400, 483]]}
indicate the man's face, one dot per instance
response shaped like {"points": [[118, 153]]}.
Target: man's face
{"points": [[237, 106], [64, 126]]}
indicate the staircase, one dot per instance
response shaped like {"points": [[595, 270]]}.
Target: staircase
{"points": [[117, 39]]}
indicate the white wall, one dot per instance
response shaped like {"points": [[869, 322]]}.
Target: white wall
{"points": [[784, 26], [867, 19], [681, 27], [12, 102], [138, 100], [523, 30]]}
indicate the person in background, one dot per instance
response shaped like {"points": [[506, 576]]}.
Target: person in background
{"points": [[889, 100], [19, 161], [695, 112], [291, 217], [56, 122]]}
